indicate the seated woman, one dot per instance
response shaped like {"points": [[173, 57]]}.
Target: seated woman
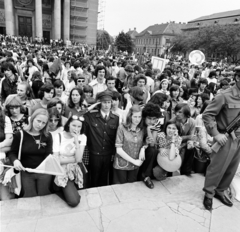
{"points": [[168, 144], [13, 106], [69, 147], [129, 143], [6, 137], [36, 146]]}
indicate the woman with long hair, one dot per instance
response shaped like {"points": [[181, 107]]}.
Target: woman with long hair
{"points": [[69, 147], [129, 143], [6, 137], [54, 121], [25, 93], [9, 83], [46, 93], [168, 144], [14, 110], [76, 104], [36, 146]]}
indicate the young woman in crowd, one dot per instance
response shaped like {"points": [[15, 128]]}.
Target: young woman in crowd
{"points": [[60, 91], [168, 144], [129, 143], [14, 110], [174, 94], [54, 121], [6, 138], [9, 82], [69, 147], [200, 99], [163, 87], [75, 102], [46, 93], [36, 83], [36, 146], [70, 83], [24, 92]]}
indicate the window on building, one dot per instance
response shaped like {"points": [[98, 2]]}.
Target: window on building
{"points": [[168, 40]]}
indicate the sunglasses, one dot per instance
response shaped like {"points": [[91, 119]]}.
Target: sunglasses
{"points": [[75, 117]]}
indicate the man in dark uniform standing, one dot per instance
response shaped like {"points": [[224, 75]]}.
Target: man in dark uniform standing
{"points": [[218, 115], [101, 130]]}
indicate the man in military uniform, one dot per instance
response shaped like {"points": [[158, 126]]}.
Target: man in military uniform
{"points": [[101, 130], [218, 115]]}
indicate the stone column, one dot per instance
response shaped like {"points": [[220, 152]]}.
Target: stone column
{"points": [[66, 20], [38, 18], [9, 18], [57, 19]]}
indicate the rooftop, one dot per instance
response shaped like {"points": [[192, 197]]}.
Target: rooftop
{"points": [[164, 28], [218, 15], [175, 204]]}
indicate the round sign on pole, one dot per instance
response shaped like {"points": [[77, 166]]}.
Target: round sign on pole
{"points": [[196, 57]]}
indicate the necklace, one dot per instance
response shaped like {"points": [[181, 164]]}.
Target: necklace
{"points": [[37, 141]]}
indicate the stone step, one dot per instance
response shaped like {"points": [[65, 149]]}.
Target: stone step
{"points": [[174, 204]]}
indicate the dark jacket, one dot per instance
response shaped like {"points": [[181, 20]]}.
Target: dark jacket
{"points": [[8, 88], [101, 133]]}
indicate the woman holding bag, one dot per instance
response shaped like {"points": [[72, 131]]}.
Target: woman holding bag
{"points": [[129, 145], [69, 146], [168, 143], [36, 146]]}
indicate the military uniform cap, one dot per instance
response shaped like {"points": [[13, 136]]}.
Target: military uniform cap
{"points": [[105, 95]]}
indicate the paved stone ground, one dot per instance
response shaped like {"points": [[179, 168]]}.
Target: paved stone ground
{"points": [[173, 205]]}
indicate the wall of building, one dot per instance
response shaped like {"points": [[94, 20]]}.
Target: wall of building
{"points": [[83, 23], [83, 18]]}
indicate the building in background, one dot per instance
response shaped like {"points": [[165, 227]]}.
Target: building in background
{"points": [[74, 20], [156, 39], [223, 18], [133, 34]]}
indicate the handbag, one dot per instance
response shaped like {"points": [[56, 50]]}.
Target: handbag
{"points": [[17, 190], [166, 163]]}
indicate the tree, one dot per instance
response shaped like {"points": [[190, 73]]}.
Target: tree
{"points": [[103, 40], [217, 40], [124, 42]]}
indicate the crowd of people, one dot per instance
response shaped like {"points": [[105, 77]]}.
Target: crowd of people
{"points": [[120, 120]]}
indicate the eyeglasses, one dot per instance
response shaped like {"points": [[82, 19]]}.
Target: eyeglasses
{"points": [[75, 117], [54, 120], [82, 81]]}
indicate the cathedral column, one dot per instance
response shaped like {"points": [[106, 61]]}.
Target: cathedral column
{"points": [[57, 19], [9, 18], [66, 20], [38, 18]]}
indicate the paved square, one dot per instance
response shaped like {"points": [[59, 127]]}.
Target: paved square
{"points": [[175, 204]]}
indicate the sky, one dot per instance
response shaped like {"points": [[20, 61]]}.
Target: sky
{"points": [[121, 15]]}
